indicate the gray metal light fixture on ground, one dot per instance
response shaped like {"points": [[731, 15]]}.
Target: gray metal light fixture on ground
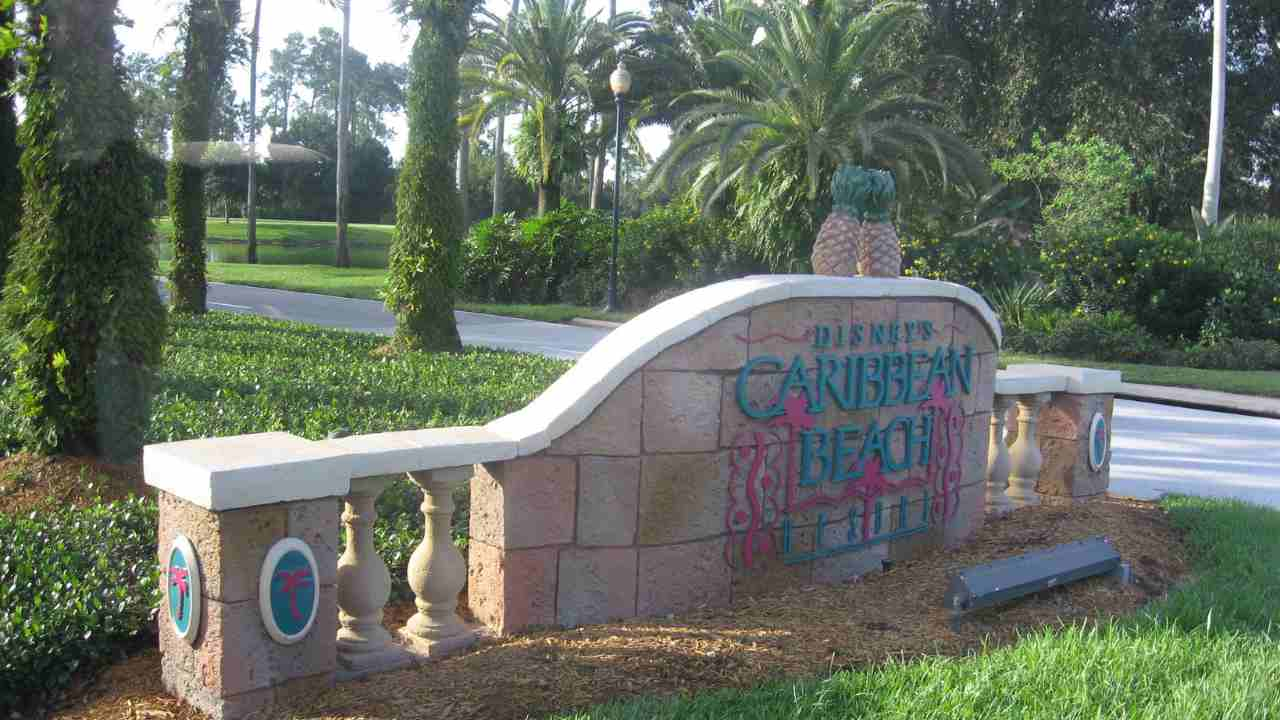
{"points": [[620, 84]]}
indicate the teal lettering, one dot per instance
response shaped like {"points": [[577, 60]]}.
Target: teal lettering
{"points": [[843, 452], [870, 369], [890, 465], [797, 377], [913, 358], [821, 336], [939, 369], [877, 334], [921, 437], [911, 331], [744, 377], [963, 371], [855, 336], [873, 444], [829, 383], [809, 453], [895, 373]]}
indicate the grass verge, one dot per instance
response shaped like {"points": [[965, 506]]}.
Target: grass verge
{"points": [[365, 283], [285, 232], [1208, 650], [1244, 382]]}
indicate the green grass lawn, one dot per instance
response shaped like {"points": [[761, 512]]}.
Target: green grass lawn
{"points": [[1244, 382], [1209, 650], [367, 282], [285, 232]]}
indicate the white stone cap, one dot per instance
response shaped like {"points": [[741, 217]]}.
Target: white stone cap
{"points": [[577, 393], [1008, 383], [247, 470], [412, 450], [1080, 380]]}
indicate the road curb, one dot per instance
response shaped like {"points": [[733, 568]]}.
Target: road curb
{"points": [[1202, 400]]}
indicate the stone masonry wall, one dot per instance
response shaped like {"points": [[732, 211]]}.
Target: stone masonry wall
{"points": [[671, 496]]}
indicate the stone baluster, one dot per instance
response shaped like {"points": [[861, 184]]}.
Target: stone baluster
{"points": [[364, 585], [437, 571], [1025, 453], [998, 461]]}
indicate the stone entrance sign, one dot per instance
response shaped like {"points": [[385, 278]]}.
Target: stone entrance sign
{"points": [[753, 435]]}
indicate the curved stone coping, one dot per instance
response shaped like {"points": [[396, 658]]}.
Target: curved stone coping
{"points": [[572, 398], [1076, 380]]}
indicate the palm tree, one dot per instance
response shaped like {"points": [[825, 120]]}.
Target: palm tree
{"points": [[10, 178], [252, 210], [499, 138], [1217, 116], [210, 26], [421, 281], [344, 136], [542, 63], [807, 98]]}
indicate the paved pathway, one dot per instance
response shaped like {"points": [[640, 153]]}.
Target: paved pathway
{"points": [[1203, 399], [562, 341], [1156, 448]]}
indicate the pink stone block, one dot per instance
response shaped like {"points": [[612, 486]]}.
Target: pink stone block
{"points": [[510, 590], [613, 428], [785, 329], [970, 329], [527, 502], [678, 578], [318, 523], [596, 586], [939, 314], [230, 545], [720, 347], [608, 494], [983, 385], [681, 412], [769, 571], [1067, 416], [968, 519], [682, 497], [848, 566]]}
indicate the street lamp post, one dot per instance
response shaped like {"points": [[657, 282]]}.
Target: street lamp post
{"points": [[620, 83]]}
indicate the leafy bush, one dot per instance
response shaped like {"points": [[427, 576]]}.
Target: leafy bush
{"points": [[1015, 304], [1109, 337], [1248, 306], [74, 583], [1234, 354]]}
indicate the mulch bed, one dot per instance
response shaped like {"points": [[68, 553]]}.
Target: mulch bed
{"points": [[31, 482], [801, 633]]}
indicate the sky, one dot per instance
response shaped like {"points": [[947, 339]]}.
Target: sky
{"points": [[375, 31]]}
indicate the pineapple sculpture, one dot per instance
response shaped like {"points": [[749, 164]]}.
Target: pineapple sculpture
{"points": [[879, 250], [836, 249]]}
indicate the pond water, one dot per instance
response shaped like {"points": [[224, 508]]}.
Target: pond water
{"points": [[275, 254]]}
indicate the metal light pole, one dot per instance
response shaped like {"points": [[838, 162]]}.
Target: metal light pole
{"points": [[620, 83]]}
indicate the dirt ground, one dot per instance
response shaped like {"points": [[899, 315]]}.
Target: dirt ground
{"points": [[806, 632], [29, 482]]}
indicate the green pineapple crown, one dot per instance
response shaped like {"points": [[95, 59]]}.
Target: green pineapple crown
{"points": [[861, 193]]}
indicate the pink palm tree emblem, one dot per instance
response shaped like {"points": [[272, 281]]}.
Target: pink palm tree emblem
{"points": [[294, 582], [178, 576]]}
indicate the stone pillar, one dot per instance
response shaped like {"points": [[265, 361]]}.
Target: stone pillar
{"points": [[999, 463], [1067, 434], [364, 585], [234, 500], [437, 571], [1025, 453]]}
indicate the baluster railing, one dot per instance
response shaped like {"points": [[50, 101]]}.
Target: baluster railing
{"points": [[437, 570], [998, 460], [1025, 452], [364, 585]]}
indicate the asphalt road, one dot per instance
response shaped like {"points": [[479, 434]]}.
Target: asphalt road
{"points": [[1156, 449]]}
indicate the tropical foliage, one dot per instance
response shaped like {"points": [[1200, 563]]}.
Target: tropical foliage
{"points": [[10, 177], [543, 62]]}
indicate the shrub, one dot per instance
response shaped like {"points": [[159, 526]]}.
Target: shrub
{"points": [[74, 583], [1248, 306], [1015, 304], [1108, 337], [1234, 354]]}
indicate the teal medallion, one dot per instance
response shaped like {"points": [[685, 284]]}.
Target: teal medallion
{"points": [[289, 591], [182, 588], [1099, 441]]}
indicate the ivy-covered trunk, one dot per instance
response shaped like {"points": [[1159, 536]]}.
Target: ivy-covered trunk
{"points": [[81, 306], [10, 177], [209, 25], [425, 254], [552, 152]]}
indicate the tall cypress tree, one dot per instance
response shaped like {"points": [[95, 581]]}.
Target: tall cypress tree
{"points": [[10, 176], [425, 253], [81, 305], [209, 25]]}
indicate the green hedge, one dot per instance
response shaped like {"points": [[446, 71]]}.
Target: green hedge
{"points": [[563, 256], [74, 583]]}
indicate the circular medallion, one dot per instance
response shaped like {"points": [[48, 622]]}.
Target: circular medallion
{"points": [[182, 588], [1099, 442], [288, 592]]}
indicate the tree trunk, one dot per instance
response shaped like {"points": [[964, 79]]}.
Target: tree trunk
{"points": [[597, 180], [226, 209], [464, 179], [421, 286], [1217, 116], [90, 327], [549, 181], [252, 200], [210, 24], [344, 139], [499, 140], [10, 176]]}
